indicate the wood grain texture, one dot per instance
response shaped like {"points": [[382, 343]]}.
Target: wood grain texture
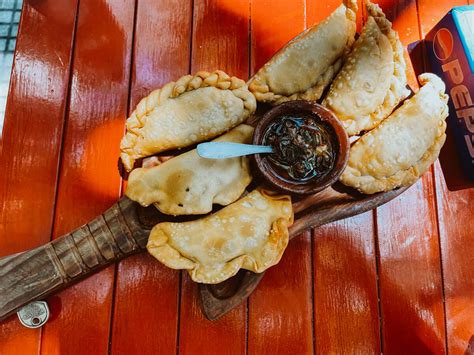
{"points": [[328, 206], [39, 272], [316, 11], [145, 311], [220, 36], [29, 152], [280, 306], [280, 310], [410, 277], [430, 15], [198, 335], [345, 289], [89, 181], [273, 24], [220, 40], [456, 227], [144, 285], [455, 212]]}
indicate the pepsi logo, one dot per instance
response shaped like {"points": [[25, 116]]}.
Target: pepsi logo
{"points": [[443, 44]]}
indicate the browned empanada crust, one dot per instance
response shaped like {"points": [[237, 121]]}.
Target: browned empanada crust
{"points": [[399, 150], [189, 184], [192, 109], [372, 81], [252, 233], [305, 66]]}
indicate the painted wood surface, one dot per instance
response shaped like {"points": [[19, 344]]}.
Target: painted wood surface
{"points": [[324, 294], [219, 40], [410, 292], [344, 267], [30, 148], [88, 178], [158, 57], [456, 230], [280, 306]]}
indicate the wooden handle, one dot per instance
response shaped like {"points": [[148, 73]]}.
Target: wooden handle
{"points": [[35, 274]]}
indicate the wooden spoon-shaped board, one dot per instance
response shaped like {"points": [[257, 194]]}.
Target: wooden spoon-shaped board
{"points": [[123, 230]]}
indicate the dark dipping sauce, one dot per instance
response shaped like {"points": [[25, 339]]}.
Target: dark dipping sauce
{"points": [[304, 147]]}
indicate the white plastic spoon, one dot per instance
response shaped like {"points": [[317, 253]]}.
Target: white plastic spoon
{"points": [[222, 150]]}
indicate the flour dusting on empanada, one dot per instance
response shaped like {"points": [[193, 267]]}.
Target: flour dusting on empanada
{"points": [[305, 66], [399, 150], [372, 81], [190, 110], [188, 184], [252, 233]]}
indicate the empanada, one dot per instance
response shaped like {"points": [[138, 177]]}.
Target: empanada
{"points": [[251, 233], [189, 184], [190, 110], [306, 65], [372, 81], [399, 150]]}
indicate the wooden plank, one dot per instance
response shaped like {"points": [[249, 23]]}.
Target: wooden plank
{"points": [[410, 275], [147, 292], [430, 15], [220, 36], [273, 24], [316, 11], [32, 139], [455, 213], [220, 41], [456, 227], [89, 180], [198, 335], [345, 289], [280, 308]]}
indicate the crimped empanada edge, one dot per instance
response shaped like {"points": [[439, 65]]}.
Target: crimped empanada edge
{"points": [[217, 79], [134, 191], [158, 244], [397, 90], [401, 178], [259, 86]]}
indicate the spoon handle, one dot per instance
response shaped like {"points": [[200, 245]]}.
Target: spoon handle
{"points": [[222, 150]]}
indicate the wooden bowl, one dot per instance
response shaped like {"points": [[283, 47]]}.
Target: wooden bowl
{"points": [[298, 107]]}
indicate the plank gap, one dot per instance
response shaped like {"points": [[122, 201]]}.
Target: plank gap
{"points": [[121, 185], [378, 279], [178, 310], [65, 121]]}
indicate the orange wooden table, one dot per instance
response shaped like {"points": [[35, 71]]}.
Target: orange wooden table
{"points": [[398, 280]]}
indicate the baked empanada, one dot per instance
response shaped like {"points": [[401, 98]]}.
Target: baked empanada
{"points": [[372, 81], [399, 150], [251, 233], [190, 110], [306, 65], [189, 184]]}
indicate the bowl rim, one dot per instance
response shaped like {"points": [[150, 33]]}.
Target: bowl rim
{"points": [[297, 107]]}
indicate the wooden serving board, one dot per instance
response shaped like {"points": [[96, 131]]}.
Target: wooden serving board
{"points": [[123, 230]]}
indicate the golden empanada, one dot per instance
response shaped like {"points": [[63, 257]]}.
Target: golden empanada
{"points": [[251, 233], [404, 145], [190, 110], [189, 184], [372, 81], [304, 67]]}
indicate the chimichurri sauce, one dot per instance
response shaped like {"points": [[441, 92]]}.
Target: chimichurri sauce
{"points": [[304, 147]]}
